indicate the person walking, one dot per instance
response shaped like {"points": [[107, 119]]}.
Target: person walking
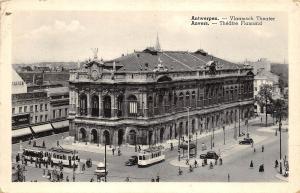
{"points": [[179, 171], [262, 148], [195, 163], [251, 164], [67, 179], [113, 151], [152, 180], [157, 178], [276, 163], [228, 177]]}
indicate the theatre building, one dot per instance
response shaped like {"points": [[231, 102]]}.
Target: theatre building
{"points": [[144, 97]]}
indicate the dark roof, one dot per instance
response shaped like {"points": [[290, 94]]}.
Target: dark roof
{"points": [[173, 60]]}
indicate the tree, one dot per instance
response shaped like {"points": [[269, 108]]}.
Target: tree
{"points": [[264, 97], [280, 107]]}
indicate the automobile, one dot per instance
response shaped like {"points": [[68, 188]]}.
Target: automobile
{"points": [[100, 170], [133, 160], [209, 155], [246, 141]]}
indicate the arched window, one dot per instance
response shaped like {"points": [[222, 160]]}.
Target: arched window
{"points": [[120, 105], [107, 106], [181, 100], [187, 99], [193, 95], [83, 104], [95, 105], [132, 105]]}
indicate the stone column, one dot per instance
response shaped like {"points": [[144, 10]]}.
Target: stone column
{"points": [[113, 105], [76, 98], [88, 102], [100, 105]]}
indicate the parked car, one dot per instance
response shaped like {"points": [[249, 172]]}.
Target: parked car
{"points": [[209, 155], [246, 141], [133, 160]]}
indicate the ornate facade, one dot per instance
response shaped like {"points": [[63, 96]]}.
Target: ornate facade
{"points": [[143, 97]]}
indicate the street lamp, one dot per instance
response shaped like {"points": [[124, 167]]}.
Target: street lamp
{"points": [[105, 159], [188, 121], [224, 133], [196, 143]]}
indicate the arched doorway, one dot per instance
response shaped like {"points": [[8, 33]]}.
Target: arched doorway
{"points": [[120, 100], [161, 134], [83, 104], [106, 136], [94, 134], [82, 135], [132, 137], [107, 106], [120, 136], [95, 106]]}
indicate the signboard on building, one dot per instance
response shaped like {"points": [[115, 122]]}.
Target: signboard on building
{"points": [[18, 120]]}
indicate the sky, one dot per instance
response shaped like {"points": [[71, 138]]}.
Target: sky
{"points": [[63, 36]]}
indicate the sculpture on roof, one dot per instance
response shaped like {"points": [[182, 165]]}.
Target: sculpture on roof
{"points": [[160, 67]]}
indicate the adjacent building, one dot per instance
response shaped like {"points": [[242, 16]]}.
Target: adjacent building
{"points": [[151, 96]]}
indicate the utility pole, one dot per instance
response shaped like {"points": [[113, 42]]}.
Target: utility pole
{"points": [[239, 122], [105, 160], [224, 133], [280, 167]]}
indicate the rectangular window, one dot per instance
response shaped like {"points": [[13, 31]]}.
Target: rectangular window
{"points": [[25, 109], [41, 107], [66, 112], [31, 119], [13, 110], [20, 109], [31, 108], [46, 117], [53, 114], [41, 118], [36, 119], [46, 107], [59, 113], [36, 108]]}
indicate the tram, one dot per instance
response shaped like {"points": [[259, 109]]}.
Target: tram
{"points": [[56, 155], [151, 156]]}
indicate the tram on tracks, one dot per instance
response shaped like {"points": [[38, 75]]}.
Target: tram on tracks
{"points": [[151, 156], [67, 157]]}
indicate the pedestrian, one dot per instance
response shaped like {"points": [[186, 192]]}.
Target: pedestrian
{"points": [[228, 177], [119, 152], [127, 179], [44, 145], [171, 146], [254, 150], [152, 180], [179, 171], [57, 143], [92, 179], [211, 166], [139, 148], [262, 148], [191, 168], [261, 168], [195, 163], [261, 119], [157, 178], [276, 163], [83, 166], [113, 151], [61, 176], [251, 164], [187, 162], [221, 161], [67, 179]]}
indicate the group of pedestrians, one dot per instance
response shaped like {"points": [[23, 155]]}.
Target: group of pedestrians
{"points": [[155, 180], [118, 151], [54, 175]]}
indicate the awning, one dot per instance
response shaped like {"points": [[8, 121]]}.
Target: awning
{"points": [[61, 124], [21, 132], [41, 128]]}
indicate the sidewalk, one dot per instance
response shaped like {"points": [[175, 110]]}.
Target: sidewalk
{"points": [[129, 149]]}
